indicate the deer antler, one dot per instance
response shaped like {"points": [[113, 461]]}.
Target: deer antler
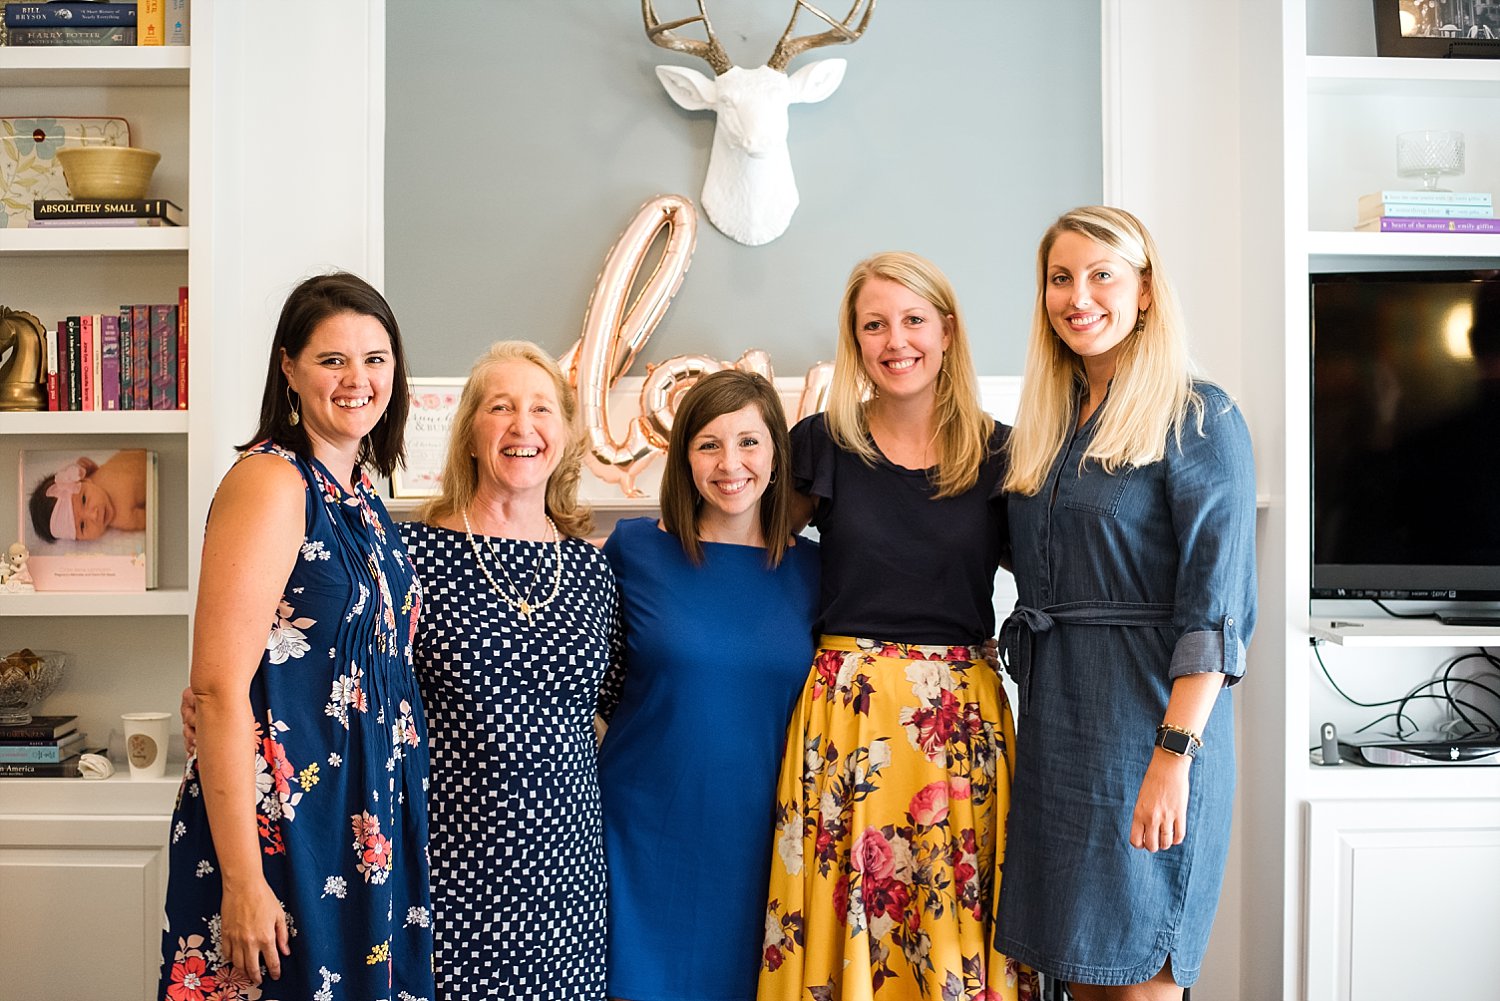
{"points": [[710, 51], [789, 48]]}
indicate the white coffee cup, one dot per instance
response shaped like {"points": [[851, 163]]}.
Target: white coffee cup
{"points": [[146, 744]]}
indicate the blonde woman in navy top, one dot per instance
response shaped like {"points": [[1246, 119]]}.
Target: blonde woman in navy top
{"points": [[894, 787]]}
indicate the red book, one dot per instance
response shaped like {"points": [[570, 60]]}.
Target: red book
{"points": [[182, 348], [140, 357], [86, 348], [1422, 224]]}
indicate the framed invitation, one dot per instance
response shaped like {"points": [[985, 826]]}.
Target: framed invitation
{"points": [[434, 401]]}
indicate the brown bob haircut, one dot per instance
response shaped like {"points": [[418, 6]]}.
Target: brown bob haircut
{"points": [[315, 300], [710, 398]]}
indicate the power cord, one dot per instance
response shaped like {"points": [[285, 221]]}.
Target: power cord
{"points": [[1446, 682]]}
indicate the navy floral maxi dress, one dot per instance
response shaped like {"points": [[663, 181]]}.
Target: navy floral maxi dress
{"points": [[341, 777]]}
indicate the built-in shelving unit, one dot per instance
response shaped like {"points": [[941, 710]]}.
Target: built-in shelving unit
{"points": [[126, 651], [1338, 850]]}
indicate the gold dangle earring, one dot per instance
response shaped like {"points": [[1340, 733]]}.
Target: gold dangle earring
{"points": [[294, 418], [1140, 320]]}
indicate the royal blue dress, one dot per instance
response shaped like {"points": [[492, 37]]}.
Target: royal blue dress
{"points": [[1125, 582], [715, 656], [340, 776]]}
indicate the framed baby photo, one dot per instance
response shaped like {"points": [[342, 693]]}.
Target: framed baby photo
{"points": [[434, 401], [1438, 29], [88, 516]]}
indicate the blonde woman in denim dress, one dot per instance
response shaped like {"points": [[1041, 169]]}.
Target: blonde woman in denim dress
{"points": [[1132, 518]]}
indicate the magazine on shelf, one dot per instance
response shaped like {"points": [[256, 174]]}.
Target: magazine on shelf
{"points": [[88, 516]]}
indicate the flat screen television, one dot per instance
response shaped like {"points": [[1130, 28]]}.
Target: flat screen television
{"points": [[1406, 435]]}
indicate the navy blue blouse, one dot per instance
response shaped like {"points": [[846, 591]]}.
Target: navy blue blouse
{"points": [[899, 564]]}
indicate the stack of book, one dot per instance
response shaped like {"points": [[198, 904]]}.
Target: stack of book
{"points": [[1427, 212], [136, 359], [47, 747], [86, 22], [52, 212]]}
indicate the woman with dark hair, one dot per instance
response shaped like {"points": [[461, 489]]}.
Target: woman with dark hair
{"points": [[519, 629], [299, 840], [718, 600]]}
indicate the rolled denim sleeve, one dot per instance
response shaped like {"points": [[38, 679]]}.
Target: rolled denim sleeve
{"points": [[1211, 496]]}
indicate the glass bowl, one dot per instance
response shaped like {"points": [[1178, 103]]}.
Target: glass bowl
{"points": [[26, 678]]}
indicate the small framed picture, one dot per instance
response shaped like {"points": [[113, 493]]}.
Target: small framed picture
{"points": [[1438, 29], [434, 401]]}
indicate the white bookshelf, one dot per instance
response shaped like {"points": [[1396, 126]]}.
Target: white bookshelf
{"points": [[95, 240]]}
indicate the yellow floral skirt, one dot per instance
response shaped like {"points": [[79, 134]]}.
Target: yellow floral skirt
{"points": [[890, 830]]}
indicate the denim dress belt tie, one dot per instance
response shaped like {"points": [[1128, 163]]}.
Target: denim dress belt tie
{"points": [[1018, 631]]}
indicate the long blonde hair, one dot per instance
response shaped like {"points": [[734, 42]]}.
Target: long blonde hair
{"points": [[1152, 392], [460, 479], [963, 428]]}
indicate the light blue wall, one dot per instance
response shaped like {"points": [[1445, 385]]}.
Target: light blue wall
{"points": [[522, 135]]}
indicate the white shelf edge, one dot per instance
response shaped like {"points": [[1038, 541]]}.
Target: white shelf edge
{"points": [[162, 601], [131, 422], [95, 240], [116, 66], [1374, 74], [1353, 631], [1327, 243], [1346, 781], [119, 794]]}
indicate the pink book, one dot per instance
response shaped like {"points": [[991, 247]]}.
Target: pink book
{"points": [[86, 348], [109, 362]]}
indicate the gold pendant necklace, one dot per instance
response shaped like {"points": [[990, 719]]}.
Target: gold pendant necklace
{"points": [[515, 599]]}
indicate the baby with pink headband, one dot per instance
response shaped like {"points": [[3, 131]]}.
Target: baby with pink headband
{"points": [[84, 499]]}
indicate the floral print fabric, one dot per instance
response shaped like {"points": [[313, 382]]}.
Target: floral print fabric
{"points": [[340, 778], [890, 820]]}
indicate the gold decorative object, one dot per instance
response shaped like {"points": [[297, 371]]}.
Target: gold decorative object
{"points": [[26, 678], [103, 172], [23, 377]]}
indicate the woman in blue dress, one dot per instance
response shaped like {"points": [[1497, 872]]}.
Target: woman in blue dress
{"points": [[718, 601], [1132, 520], [519, 628], [299, 840]]}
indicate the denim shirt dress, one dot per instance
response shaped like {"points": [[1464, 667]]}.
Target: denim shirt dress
{"points": [[1125, 582]]}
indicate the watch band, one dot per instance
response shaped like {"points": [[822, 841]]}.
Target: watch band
{"points": [[1176, 740]]}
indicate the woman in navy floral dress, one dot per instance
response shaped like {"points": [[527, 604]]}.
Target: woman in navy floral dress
{"points": [[299, 842]]}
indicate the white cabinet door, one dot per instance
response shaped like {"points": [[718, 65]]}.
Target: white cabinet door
{"points": [[1402, 899], [83, 906]]}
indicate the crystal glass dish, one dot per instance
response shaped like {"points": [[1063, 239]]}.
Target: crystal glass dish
{"points": [[26, 678]]}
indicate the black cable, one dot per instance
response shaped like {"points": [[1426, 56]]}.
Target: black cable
{"points": [[1402, 615], [1418, 693]]}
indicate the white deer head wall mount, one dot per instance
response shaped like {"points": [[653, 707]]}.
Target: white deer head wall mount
{"points": [[749, 193]]}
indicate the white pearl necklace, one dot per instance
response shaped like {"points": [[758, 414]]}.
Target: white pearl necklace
{"points": [[521, 603]]}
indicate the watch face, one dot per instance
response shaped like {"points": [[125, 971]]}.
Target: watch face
{"points": [[1177, 743]]}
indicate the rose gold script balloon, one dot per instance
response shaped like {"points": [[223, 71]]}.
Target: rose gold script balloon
{"points": [[614, 332]]}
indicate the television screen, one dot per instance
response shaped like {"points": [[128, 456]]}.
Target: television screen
{"points": [[1406, 435]]}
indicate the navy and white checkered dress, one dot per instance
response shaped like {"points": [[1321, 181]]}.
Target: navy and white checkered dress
{"points": [[518, 884]]}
